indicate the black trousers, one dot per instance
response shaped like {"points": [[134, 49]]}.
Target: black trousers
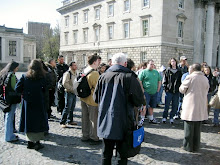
{"points": [[61, 102], [51, 101], [192, 131], [107, 152]]}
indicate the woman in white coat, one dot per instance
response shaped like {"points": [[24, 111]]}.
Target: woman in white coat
{"points": [[194, 109]]}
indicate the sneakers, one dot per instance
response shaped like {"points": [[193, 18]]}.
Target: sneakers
{"points": [[176, 117], [171, 121], [63, 125], [164, 120], [154, 121]]}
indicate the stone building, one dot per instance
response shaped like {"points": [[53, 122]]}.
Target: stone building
{"points": [[17, 46], [39, 30], [142, 29]]}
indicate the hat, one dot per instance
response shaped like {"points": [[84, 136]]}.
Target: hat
{"points": [[183, 58], [162, 68]]}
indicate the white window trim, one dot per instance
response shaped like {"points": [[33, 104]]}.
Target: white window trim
{"points": [[182, 34], [66, 38], [129, 10], [85, 41], [142, 27], [112, 15], [148, 6], [66, 19], [97, 8], [75, 32], [126, 22], [87, 13], [95, 39], [75, 15], [112, 25], [181, 8], [142, 57]]}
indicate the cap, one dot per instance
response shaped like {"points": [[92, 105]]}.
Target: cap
{"points": [[183, 58]]}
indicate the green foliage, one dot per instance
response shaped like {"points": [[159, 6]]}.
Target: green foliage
{"points": [[51, 43]]}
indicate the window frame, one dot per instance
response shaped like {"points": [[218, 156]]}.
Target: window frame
{"points": [[143, 29], [124, 32], [111, 14], [125, 6], [12, 48], [180, 31], [75, 36], [85, 37], [145, 6], [181, 4], [97, 17], [66, 38], [75, 19], [112, 36], [66, 19], [85, 19], [96, 37], [143, 56]]}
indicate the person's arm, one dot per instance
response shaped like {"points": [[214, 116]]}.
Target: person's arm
{"points": [[158, 86], [185, 85], [19, 87]]}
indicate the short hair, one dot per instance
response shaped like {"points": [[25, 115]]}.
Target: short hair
{"points": [[109, 60], [196, 67], [92, 58], [50, 60], [130, 63], [60, 56], [119, 58], [169, 63], [71, 63], [99, 57], [150, 61]]}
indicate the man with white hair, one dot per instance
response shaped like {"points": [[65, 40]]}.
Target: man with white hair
{"points": [[117, 92]]}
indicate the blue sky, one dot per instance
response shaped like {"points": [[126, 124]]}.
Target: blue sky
{"points": [[16, 13]]}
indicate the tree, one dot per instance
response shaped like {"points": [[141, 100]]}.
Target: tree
{"points": [[51, 43]]}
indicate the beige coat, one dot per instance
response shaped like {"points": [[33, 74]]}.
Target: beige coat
{"points": [[67, 82], [195, 89]]}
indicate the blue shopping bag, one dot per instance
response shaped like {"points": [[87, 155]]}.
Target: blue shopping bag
{"points": [[138, 137]]}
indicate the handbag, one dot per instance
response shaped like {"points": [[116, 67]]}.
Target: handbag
{"points": [[214, 102], [138, 137], [4, 106]]}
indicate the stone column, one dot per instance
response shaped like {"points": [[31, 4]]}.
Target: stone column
{"points": [[216, 37], [209, 33], [199, 15]]}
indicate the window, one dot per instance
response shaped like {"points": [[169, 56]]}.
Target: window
{"points": [[110, 32], [67, 21], [86, 16], [75, 19], [74, 58], [85, 35], [145, 3], [97, 13], [126, 5], [180, 29], [181, 4], [110, 9], [84, 60], [66, 38], [12, 48], [97, 32], [126, 30], [75, 34], [145, 27], [143, 57]]}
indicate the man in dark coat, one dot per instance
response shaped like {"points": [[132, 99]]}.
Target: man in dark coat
{"points": [[61, 69], [117, 94]]}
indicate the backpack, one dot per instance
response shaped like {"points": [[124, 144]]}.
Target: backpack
{"points": [[60, 87], [81, 86]]}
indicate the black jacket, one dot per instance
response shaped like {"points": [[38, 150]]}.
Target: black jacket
{"points": [[116, 94], [172, 81], [61, 69], [213, 83], [53, 75]]}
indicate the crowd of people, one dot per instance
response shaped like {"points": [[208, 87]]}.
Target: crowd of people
{"points": [[118, 89]]}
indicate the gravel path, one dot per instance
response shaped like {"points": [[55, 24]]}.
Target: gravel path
{"points": [[162, 145]]}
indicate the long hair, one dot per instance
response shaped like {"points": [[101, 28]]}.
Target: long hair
{"points": [[169, 63], [10, 67], [35, 70]]}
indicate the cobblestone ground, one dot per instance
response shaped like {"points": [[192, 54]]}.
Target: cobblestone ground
{"points": [[162, 145]]}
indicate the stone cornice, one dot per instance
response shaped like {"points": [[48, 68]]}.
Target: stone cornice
{"points": [[67, 6]]}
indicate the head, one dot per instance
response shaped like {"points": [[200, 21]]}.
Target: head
{"points": [[35, 70], [190, 69], [195, 67], [52, 62], [150, 64], [93, 61], [110, 62], [207, 70], [102, 68], [99, 60], [172, 63], [10, 67], [61, 59], [73, 66], [120, 59], [183, 60], [130, 64]]}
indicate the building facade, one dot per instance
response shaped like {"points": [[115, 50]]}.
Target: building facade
{"points": [[17, 46], [142, 29]]}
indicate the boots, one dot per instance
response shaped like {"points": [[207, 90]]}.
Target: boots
{"points": [[30, 145], [38, 146]]}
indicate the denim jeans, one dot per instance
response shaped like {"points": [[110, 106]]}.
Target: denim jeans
{"points": [[180, 104], [9, 129], [159, 95], [70, 102], [174, 97], [216, 115]]}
